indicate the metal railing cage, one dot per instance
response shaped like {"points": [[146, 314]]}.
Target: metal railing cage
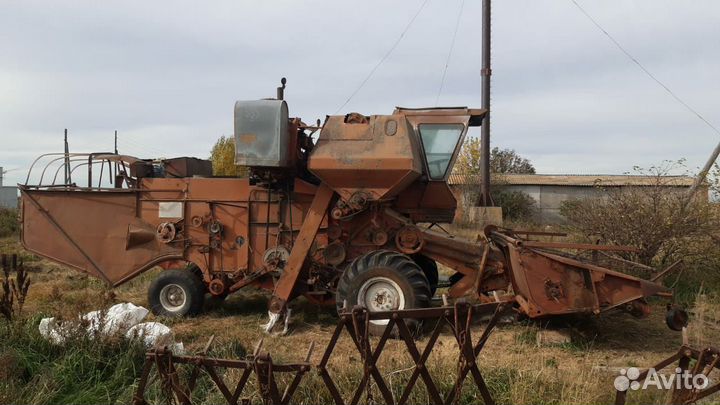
{"points": [[60, 171]]}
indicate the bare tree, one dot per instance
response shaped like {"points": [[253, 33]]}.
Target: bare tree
{"points": [[649, 217]]}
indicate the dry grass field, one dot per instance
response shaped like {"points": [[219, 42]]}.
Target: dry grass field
{"points": [[515, 368]]}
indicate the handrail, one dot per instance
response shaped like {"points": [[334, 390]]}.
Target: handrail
{"points": [[32, 166], [75, 161], [61, 167]]}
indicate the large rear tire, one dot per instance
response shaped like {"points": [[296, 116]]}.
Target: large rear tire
{"points": [[384, 280], [430, 268], [176, 293]]}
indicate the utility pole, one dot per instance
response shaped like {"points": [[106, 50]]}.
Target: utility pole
{"points": [[701, 176], [485, 200], [118, 179]]}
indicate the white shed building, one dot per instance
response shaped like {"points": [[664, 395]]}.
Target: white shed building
{"points": [[8, 194], [550, 190]]}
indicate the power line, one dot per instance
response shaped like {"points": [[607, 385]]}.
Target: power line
{"points": [[12, 170], [452, 46], [647, 72], [137, 150], [132, 150], [387, 54]]}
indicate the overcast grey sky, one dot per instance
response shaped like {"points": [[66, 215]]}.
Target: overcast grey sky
{"points": [[166, 73]]}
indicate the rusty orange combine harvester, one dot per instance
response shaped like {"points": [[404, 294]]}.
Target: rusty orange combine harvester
{"points": [[342, 213]]}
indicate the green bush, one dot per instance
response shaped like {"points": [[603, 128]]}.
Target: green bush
{"points": [[516, 205], [9, 224], [661, 222]]}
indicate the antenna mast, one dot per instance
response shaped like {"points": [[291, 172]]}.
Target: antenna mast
{"points": [[67, 160]]}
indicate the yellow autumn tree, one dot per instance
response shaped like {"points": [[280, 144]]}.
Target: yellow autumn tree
{"points": [[517, 205], [468, 161], [502, 161], [222, 157]]}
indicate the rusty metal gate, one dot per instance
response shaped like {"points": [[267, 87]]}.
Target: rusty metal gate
{"points": [[355, 323], [260, 363]]}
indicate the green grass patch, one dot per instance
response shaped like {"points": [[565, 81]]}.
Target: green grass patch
{"points": [[83, 371]]}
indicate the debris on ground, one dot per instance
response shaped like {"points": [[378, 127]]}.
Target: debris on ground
{"points": [[155, 334], [116, 319], [120, 319]]}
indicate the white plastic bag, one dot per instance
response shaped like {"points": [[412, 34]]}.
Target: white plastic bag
{"points": [[155, 334], [117, 319], [50, 330], [152, 334]]}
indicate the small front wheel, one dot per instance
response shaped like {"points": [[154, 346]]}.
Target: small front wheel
{"points": [[176, 293]]}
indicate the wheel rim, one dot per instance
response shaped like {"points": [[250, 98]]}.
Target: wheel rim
{"points": [[172, 297], [381, 294]]}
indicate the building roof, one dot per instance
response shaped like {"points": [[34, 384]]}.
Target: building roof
{"points": [[576, 180]]}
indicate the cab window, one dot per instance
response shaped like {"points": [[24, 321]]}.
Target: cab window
{"points": [[439, 142]]}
